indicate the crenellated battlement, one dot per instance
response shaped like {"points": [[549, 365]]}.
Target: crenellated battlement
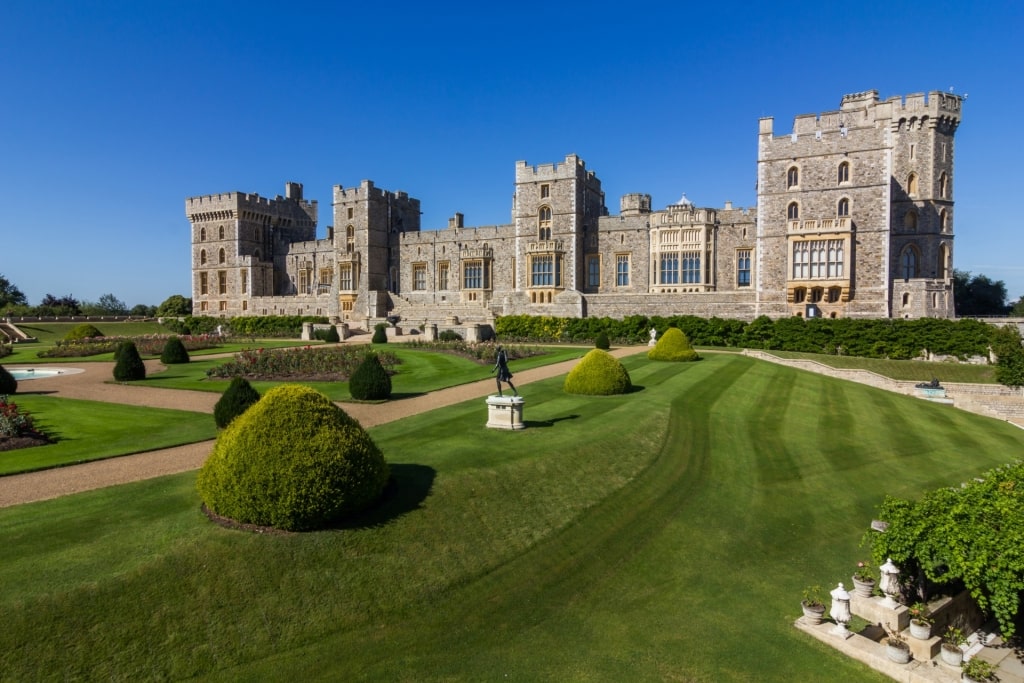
{"points": [[572, 167]]}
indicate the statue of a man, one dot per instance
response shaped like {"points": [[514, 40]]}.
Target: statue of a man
{"points": [[503, 372]]}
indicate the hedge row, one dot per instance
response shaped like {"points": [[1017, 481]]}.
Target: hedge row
{"points": [[896, 339], [245, 326]]}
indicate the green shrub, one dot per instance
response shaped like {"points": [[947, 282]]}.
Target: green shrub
{"points": [[598, 374], [235, 400], [449, 336], [601, 341], [293, 461], [8, 385], [128, 366], [380, 335], [174, 352], [331, 335], [370, 381], [673, 346], [83, 331]]}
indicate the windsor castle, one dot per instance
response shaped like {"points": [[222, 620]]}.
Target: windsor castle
{"points": [[854, 218]]}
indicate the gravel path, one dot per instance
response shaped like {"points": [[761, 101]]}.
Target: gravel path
{"points": [[92, 385]]}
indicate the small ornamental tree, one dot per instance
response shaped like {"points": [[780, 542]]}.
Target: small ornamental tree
{"points": [[673, 346], [83, 331], [380, 335], [128, 366], [331, 335], [598, 374], [601, 341], [8, 384], [235, 400], [294, 461], [370, 381], [174, 352]]}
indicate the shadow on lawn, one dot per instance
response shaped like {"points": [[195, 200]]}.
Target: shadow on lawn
{"points": [[548, 423], [406, 490]]}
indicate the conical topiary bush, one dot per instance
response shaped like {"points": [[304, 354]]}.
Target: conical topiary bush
{"points": [[380, 334], [235, 400], [293, 461], [174, 352], [601, 341], [128, 366], [370, 381], [599, 373], [673, 346], [8, 384]]}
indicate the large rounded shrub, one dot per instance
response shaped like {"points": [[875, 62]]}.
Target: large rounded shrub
{"points": [[293, 461], [380, 334], [8, 384], [174, 352], [370, 381], [83, 331], [599, 373], [235, 400], [128, 366], [673, 346]]}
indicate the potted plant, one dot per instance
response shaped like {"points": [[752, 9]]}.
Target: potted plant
{"points": [[814, 608], [978, 671], [952, 642], [864, 580], [896, 648], [920, 622]]}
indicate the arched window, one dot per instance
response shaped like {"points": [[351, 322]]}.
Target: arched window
{"points": [[220, 232], [793, 212], [944, 220], [910, 221], [221, 256], [943, 186], [202, 234], [912, 184], [793, 177], [350, 239], [544, 223], [843, 209], [844, 172], [908, 262], [943, 269], [202, 257]]}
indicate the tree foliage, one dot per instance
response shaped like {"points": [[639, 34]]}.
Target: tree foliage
{"points": [[972, 533], [8, 384], [978, 294], [1006, 345], [1018, 308], [10, 295], [51, 305], [83, 331], [175, 305]]}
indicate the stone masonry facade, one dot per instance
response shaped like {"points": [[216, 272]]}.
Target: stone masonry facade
{"points": [[854, 218]]}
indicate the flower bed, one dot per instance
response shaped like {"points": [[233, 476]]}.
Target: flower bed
{"points": [[16, 427], [481, 352], [321, 363], [148, 345]]}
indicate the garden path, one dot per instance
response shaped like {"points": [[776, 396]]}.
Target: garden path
{"points": [[93, 384]]}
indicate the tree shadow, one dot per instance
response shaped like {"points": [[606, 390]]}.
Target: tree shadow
{"points": [[400, 395], [405, 491], [635, 388], [548, 423]]}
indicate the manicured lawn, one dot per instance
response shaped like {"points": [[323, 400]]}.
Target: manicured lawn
{"points": [[91, 430], [662, 535], [907, 370]]}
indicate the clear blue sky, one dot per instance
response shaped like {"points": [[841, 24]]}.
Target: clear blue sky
{"points": [[112, 113]]}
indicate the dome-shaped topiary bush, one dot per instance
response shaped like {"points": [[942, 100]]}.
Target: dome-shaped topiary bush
{"points": [[83, 331], [331, 335], [235, 400], [8, 384], [293, 461], [174, 352], [601, 341], [598, 374], [380, 335], [370, 381], [673, 346], [128, 366]]}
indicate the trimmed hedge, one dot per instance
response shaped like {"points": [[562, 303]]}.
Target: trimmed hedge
{"points": [[601, 341], [449, 336], [598, 374], [8, 384], [174, 352], [235, 400], [293, 461], [129, 366], [83, 331], [380, 335], [370, 381], [673, 347]]}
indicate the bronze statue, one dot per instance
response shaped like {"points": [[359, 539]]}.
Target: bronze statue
{"points": [[503, 372]]}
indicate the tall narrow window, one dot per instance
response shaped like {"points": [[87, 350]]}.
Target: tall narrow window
{"points": [[844, 172], [202, 257], [244, 277], [908, 262], [419, 276], [594, 271], [793, 212], [203, 284], [220, 232], [910, 221], [442, 275], [221, 256], [544, 223], [943, 186], [202, 234], [743, 268], [912, 184], [222, 282], [669, 271], [843, 209], [345, 277], [350, 239], [622, 270], [691, 267], [793, 177], [944, 220]]}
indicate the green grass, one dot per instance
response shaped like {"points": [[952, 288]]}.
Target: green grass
{"points": [[906, 370], [91, 430], [661, 535]]}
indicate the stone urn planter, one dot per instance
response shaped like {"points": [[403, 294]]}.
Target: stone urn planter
{"points": [[951, 654], [920, 629], [897, 650], [862, 588], [813, 613]]}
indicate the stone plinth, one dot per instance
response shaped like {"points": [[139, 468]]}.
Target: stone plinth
{"points": [[505, 412], [923, 650], [873, 611]]}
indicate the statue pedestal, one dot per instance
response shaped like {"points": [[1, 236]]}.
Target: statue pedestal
{"points": [[505, 412]]}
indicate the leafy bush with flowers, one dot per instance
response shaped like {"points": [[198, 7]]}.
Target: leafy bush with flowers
{"points": [[481, 352], [14, 421], [148, 345], [323, 363], [865, 572]]}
